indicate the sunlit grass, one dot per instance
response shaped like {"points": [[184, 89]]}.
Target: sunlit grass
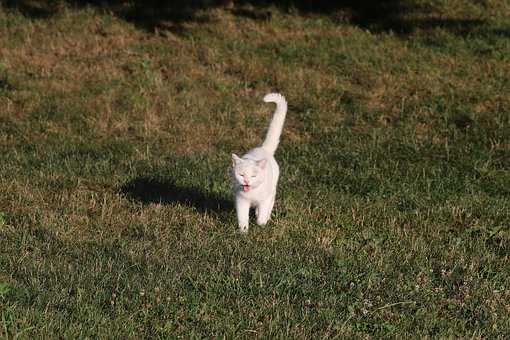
{"points": [[393, 212]]}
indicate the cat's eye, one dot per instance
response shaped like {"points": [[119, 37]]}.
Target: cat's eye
{"points": [[253, 176]]}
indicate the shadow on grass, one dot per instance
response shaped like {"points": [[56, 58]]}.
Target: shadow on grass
{"points": [[149, 190], [161, 15], [149, 15]]}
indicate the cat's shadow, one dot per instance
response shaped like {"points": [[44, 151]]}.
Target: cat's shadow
{"points": [[148, 190]]}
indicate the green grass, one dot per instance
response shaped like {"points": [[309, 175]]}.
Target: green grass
{"points": [[393, 212]]}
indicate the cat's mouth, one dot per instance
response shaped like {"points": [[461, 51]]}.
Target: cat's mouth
{"points": [[246, 188]]}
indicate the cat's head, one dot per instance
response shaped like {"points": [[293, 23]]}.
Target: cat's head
{"points": [[247, 173]]}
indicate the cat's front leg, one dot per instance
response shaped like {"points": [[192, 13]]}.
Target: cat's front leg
{"points": [[243, 213], [264, 210]]}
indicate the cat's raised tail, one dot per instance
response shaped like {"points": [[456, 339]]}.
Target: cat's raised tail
{"points": [[276, 126]]}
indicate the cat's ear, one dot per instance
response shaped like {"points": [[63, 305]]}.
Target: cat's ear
{"points": [[262, 163], [235, 159]]}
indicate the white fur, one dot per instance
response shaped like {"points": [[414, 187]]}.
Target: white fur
{"points": [[257, 171]]}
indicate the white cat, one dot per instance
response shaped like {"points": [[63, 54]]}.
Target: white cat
{"points": [[255, 175]]}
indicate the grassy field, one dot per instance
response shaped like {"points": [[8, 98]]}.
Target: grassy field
{"points": [[393, 211]]}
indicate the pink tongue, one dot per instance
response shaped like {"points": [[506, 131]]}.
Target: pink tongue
{"points": [[246, 188]]}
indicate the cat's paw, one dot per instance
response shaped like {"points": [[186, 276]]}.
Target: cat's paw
{"points": [[243, 229], [262, 222]]}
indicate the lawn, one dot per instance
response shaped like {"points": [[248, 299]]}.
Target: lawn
{"points": [[117, 125]]}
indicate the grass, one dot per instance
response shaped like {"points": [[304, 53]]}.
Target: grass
{"points": [[393, 212]]}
